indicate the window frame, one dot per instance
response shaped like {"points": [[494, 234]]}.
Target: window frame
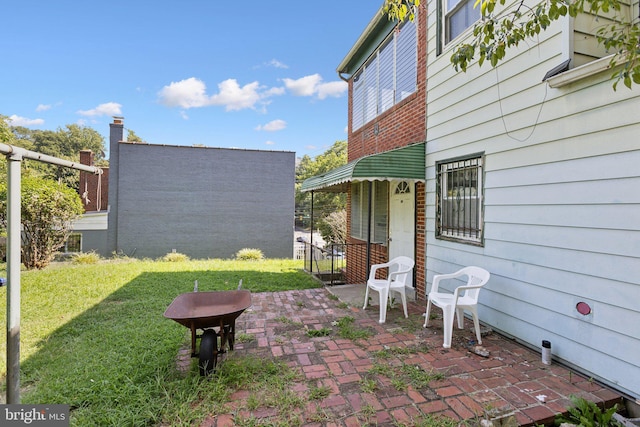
{"points": [[379, 214], [368, 76], [442, 23], [67, 243], [472, 202]]}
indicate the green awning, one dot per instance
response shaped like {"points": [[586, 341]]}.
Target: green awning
{"points": [[406, 163]]}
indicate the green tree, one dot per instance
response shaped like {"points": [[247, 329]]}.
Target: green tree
{"points": [[132, 137], [48, 210], [324, 203], [502, 27], [65, 143]]}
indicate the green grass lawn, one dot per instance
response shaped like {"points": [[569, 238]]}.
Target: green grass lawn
{"points": [[94, 336]]}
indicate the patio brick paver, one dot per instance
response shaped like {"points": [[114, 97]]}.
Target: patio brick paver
{"points": [[509, 380]]}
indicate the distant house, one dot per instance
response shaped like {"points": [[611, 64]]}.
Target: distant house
{"points": [[200, 201], [90, 231], [531, 171]]}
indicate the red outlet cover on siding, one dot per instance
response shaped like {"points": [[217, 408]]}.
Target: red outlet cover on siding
{"points": [[583, 308]]}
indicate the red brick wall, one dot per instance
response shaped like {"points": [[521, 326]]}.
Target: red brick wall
{"points": [[403, 124], [90, 183]]}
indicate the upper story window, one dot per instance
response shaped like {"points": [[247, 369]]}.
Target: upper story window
{"points": [[459, 15], [388, 77]]}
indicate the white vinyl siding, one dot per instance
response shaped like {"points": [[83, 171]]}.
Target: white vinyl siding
{"points": [[560, 200], [379, 212], [585, 27], [389, 76]]}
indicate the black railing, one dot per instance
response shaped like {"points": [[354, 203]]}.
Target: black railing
{"points": [[339, 263]]}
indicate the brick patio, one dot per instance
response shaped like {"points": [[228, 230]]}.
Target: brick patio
{"points": [[510, 381]]}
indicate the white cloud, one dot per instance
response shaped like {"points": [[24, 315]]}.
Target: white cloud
{"points": [[270, 143], [273, 126], [187, 93], [23, 121], [312, 85], [234, 97], [192, 93], [184, 115], [304, 86], [43, 107], [277, 64], [106, 109], [311, 147], [335, 89], [273, 92], [273, 63]]}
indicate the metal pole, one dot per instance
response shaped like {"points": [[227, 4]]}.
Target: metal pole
{"points": [[311, 238], [15, 155], [13, 278], [21, 153], [370, 202]]}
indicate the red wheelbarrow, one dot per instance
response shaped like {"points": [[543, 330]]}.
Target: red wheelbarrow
{"points": [[208, 311]]}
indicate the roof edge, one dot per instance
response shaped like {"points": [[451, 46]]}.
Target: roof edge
{"points": [[372, 28]]}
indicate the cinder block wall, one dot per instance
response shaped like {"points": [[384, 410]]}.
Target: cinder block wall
{"points": [[203, 202]]}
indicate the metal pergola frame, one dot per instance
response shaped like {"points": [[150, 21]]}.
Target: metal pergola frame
{"points": [[15, 156]]}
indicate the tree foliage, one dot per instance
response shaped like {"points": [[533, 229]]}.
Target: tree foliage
{"points": [[47, 207], [65, 143], [132, 137], [516, 22], [324, 203], [47, 211], [336, 224]]}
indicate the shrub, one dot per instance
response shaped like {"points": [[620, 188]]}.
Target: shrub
{"points": [[91, 257], [174, 257], [248, 254], [588, 414], [47, 212]]}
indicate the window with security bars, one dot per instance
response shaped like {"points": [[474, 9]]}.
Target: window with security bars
{"points": [[459, 199]]}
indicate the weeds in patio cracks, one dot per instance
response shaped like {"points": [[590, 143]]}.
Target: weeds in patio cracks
{"points": [[348, 330], [403, 375]]}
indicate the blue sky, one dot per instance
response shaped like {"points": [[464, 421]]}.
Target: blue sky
{"points": [[253, 74]]}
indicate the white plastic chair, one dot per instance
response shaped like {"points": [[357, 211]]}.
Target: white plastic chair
{"points": [[463, 298], [399, 270]]}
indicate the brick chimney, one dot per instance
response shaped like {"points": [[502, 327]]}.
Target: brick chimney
{"points": [[116, 135], [93, 189]]}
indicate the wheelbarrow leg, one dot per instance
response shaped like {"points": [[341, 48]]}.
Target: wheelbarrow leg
{"points": [[193, 340], [224, 336], [232, 334]]}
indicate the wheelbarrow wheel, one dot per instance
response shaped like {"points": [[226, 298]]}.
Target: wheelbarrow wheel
{"points": [[208, 355]]}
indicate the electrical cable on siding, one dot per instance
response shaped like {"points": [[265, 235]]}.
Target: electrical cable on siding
{"points": [[504, 123]]}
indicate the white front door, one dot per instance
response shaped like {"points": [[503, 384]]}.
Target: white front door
{"points": [[402, 220]]}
